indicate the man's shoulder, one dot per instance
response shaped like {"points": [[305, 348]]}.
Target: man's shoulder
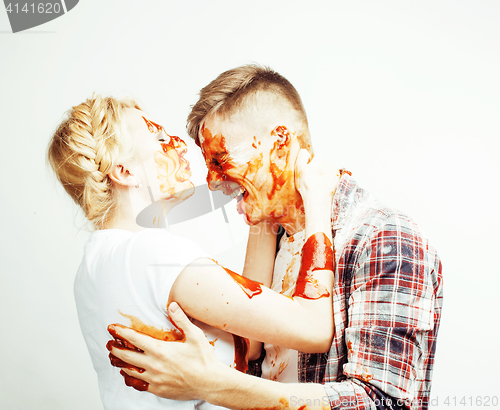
{"points": [[364, 218]]}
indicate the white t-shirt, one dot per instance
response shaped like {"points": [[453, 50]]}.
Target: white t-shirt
{"points": [[125, 275], [280, 363]]}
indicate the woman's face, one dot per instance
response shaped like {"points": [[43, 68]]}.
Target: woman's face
{"points": [[158, 158]]}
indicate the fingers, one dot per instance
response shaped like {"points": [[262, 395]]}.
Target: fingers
{"points": [[130, 339], [182, 322], [134, 382], [117, 362], [303, 158]]}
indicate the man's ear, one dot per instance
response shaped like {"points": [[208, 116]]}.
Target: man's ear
{"points": [[122, 176], [282, 135]]}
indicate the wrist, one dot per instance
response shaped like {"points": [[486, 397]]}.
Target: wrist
{"points": [[218, 384]]}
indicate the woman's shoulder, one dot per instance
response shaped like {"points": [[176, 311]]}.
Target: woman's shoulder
{"points": [[159, 243]]}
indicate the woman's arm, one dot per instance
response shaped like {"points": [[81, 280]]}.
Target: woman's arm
{"points": [[207, 292], [261, 250], [259, 265]]}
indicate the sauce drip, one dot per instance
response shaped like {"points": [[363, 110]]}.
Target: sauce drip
{"points": [[172, 168], [250, 287], [278, 159], [170, 162], [241, 346], [121, 343], [152, 126], [137, 384], [171, 335], [317, 254]]}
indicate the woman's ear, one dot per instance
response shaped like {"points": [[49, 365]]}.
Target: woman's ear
{"points": [[122, 176]]}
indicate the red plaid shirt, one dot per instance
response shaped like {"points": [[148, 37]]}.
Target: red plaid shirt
{"points": [[387, 301]]}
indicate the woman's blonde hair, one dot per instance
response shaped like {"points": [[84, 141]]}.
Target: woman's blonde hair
{"points": [[85, 148]]}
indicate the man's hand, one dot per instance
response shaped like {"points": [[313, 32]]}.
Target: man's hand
{"points": [[173, 370]]}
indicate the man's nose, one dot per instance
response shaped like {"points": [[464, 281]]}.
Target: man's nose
{"points": [[214, 180]]}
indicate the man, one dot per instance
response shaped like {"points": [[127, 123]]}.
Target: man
{"points": [[387, 294]]}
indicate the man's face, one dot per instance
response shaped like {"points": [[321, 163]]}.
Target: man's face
{"points": [[255, 168]]}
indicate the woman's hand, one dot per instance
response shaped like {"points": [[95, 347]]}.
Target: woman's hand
{"points": [[316, 182], [315, 179]]}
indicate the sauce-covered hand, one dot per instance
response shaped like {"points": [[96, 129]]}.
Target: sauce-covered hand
{"points": [[173, 370]]}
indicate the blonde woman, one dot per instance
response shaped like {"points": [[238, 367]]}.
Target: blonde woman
{"points": [[113, 160]]}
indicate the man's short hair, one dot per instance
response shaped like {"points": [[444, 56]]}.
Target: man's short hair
{"points": [[230, 90]]}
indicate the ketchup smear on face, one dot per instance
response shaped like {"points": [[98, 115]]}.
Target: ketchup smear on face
{"points": [[317, 254]]}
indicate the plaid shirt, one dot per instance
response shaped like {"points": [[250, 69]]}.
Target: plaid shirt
{"points": [[387, 301]]}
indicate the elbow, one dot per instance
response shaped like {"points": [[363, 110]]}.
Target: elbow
{"points": [[319, 342], [324, 344]]}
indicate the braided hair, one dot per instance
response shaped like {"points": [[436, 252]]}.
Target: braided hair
{"points": [[85, 148]]}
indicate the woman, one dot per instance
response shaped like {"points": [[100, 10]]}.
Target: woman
{"points": [[114, 161]]}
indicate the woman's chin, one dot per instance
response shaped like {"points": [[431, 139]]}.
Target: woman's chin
{"points": [[181, 192]]}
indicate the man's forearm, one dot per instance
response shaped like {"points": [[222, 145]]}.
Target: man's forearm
{"points": [[235, 390]]}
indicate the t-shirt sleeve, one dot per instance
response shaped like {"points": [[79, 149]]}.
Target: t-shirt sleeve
{"points": [[160, 256]]}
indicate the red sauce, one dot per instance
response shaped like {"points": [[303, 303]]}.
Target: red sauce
{"points": [[171, 335], [121, 343], [250, 287], [137, 384], [279, 182], [217, 160], [345, 171], [175, 143], [279, 157], [152, 126], [317, 254], [302, 407], [241, 346], [116, 362], [174, 166], [178, 144]]}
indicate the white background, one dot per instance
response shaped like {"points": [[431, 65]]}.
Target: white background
{"points": [[405, 94]]}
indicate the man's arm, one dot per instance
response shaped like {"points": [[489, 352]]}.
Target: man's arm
{"points": [[189, 370]]}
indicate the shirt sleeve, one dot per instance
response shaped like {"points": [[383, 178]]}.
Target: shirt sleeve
{"points": [[390, 311]]}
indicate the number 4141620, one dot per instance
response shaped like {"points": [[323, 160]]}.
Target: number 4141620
{"points": [[477, 401], [40, 8]]}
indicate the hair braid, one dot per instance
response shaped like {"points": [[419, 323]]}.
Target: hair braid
{"points": [[84, 149]]}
